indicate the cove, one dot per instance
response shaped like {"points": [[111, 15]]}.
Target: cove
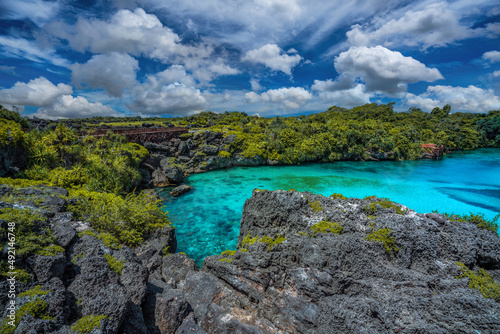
{"points": [[207, 218]]}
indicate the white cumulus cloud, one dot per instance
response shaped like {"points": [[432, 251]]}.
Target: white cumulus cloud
{"points": [[431, 24], [288, 98], [38, 92], [466, 99], [273, 57], [114, 72], [381, 69], [492, 56], [67, 106], [351, 97], [168, 92]]}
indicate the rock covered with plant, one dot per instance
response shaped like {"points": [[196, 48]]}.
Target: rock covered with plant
{"points": [[90, 262], [311, 264]]}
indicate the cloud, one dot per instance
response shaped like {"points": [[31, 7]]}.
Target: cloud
{"points": [[67, 106], [250, 24], [38, 92], [173, 74], [168, 93], [351, 97], [114, 72], [21, 48], [434, 25], [255, 84], [496, 74], [492, 56], [38, 11], [9, 70], [466, 99], [381, 69], [141, 34], [288, 98], [273, 57]]}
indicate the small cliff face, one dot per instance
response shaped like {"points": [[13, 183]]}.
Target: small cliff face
{"points": [[305, 264], [315, 282]]}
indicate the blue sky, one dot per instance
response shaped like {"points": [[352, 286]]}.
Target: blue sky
{"points": [[72, 59]]}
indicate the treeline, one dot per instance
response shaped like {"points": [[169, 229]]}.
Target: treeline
{"points": [[371, 131]]}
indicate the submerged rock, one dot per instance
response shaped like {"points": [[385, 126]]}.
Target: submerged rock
{"points": [[180, 190]]}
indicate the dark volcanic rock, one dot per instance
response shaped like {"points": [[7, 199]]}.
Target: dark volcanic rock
{"points": [[180, 190], [173, 172], [170, 310], [175, 268], [99, 292], [47, 267], [209, 149], [343, 283]]}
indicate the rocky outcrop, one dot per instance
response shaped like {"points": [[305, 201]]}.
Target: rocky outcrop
{"points": [[180, 190], [316, 282], [195, 152], [304, 264]]}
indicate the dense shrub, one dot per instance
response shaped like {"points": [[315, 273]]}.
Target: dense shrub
{"points": [[128, 219]]}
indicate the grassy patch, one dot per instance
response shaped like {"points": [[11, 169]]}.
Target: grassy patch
{"points": [[337, 196], [326, 227], [87, 324], [385, 204], [477, 219], [384, 237], [481, 281], [116, 266], [315, 206]]}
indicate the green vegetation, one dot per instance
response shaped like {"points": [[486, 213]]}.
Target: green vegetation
{"points": [[87, 324], [126, 220], [116, 266], [227, 256], [51, 250], [37, 308], [248, 240], [384, 237], [361, 133], [386, 204], [33, 236], [224, 154], [165, 251], [337, 196], [326, 227], [477, 219], [36, 291], [481, 281], [315, 206]]}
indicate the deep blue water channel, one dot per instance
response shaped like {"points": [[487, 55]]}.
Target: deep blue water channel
{"points": [[207, 219]]}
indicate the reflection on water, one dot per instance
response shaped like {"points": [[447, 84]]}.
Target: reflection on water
{"points": [[207, 218]]}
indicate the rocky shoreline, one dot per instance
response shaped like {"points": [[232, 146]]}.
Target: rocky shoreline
{"points": [[304, 264]]}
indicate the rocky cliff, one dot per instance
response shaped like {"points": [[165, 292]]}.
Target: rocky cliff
{"points": [[305, 264]]}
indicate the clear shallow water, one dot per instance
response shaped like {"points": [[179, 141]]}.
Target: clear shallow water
{"points": [[207, 219]]}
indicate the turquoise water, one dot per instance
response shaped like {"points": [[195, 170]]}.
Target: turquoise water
{"points": [[207, 218]]}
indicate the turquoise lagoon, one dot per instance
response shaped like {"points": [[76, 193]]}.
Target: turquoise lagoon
{"points": [[207, 219]]}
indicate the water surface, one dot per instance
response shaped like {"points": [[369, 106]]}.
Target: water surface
{"points": [[207, 218]]}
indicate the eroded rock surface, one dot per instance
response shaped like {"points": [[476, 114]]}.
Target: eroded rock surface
{"points": [[343, 283], [303, 265]]}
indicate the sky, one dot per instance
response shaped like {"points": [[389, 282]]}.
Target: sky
{"points": [[76, 59]]}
